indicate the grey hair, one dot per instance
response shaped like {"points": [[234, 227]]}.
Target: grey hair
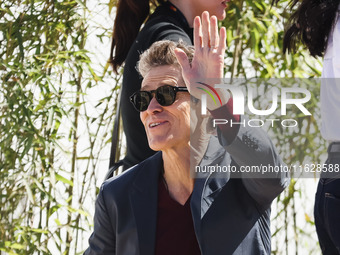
{"points": [[162, 53]]}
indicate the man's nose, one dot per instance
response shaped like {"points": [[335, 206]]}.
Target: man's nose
{"points": [[154, 106]]}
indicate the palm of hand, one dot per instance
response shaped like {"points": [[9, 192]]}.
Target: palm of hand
{"points": [[208, 60]]}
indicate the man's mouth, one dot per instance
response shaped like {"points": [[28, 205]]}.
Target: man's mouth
{"points": [[156, 124]]}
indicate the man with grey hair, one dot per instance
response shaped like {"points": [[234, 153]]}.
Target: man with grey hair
{"points": [[159, 206]]}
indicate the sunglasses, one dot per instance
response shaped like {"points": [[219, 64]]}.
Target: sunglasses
{"points": [[165, 96]]}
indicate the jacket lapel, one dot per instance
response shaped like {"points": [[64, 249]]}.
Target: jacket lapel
{"points": [[214, 184], [209, 186], [143, 199]]}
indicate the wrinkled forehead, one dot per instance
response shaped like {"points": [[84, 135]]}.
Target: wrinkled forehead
{"points": [[162, 75]]}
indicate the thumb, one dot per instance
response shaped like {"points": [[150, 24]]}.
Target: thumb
{"points": [[183, 60]]}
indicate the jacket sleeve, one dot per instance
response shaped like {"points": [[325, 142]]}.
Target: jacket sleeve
{"points": [[103, 239], [252, 150]]}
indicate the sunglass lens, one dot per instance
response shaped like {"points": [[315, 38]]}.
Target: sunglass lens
{"points": [[141, 100], [165, 95]]}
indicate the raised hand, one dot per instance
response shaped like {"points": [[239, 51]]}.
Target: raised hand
{"points": [[208, 61]]}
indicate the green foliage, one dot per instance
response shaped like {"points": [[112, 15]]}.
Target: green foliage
{"points": [[46, 73], [255, 32]]}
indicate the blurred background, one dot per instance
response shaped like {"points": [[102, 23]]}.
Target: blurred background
{"points": [[58, 99]]}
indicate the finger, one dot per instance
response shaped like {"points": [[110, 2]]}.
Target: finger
{"points": [[223, 38], [206, 29], [214, 39], [197, 33]]}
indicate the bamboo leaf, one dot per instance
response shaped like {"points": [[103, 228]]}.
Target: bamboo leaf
{"points": [[63, 179]]}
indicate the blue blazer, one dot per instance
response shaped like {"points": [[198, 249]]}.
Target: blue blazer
{"points": [[231, 215]]}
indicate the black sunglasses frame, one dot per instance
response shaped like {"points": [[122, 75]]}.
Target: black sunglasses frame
{"points": [[148, 95]]}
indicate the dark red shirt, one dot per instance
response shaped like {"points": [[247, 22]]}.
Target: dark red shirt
{"points": [[175, 234]]}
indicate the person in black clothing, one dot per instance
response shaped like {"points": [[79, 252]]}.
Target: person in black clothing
{"points": [[172, 20]]}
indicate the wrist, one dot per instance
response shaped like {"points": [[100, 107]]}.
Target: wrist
{"points": [[224, 96]]}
